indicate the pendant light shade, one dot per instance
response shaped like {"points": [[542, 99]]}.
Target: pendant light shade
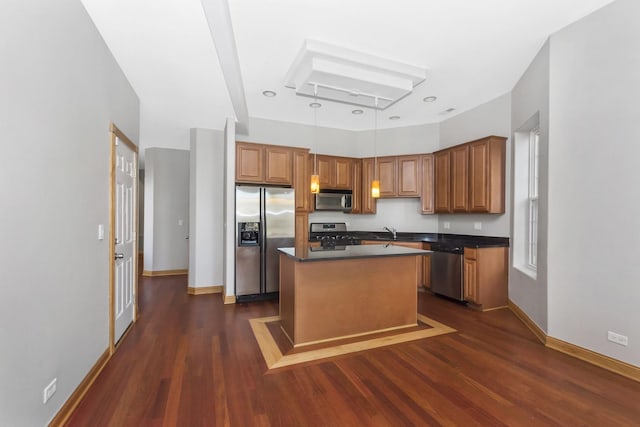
{"points": [[315, 178], [375, 188], [315, 183], [375, 184]]}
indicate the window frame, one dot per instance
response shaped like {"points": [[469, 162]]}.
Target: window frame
{"points": [[533, 204]]}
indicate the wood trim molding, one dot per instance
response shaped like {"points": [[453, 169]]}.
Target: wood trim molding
{"points": [[117, 132], [605, 362], [539, 333], [228, 299], [617, 366], [159, 273], [202, 290], [72, 402]]}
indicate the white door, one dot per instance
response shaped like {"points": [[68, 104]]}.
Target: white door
{"points": [[125, 231]]}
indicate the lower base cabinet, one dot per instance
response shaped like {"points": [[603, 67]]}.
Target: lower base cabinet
{"points": [[485, 277], [426, 267]]}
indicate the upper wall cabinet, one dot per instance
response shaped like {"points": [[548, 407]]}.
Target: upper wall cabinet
{"points": [[460, 178], [368, 203], [409, 176], [442, 185], [399, 176], [249, 162], [301, 179], [487, 174], [334, 172], [426, 196], [263, 164], [471, 177]]}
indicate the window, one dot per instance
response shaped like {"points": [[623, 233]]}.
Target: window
{"points": [[532, 220], [525, 203]]}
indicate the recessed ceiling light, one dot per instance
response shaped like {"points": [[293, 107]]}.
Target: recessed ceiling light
{"points": [[357, 112], [315, 105], [429, 98], [269, 93], [394, 118]]}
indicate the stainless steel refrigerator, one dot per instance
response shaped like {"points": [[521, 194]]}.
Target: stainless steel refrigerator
{"points": [[265, 221]]}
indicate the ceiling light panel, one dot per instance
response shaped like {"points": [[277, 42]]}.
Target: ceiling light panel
{"points": [[351, 77]]}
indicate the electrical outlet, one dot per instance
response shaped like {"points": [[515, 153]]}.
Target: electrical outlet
{"points": [[477, 225], [617, 338], [447, 225], [50, 390]]}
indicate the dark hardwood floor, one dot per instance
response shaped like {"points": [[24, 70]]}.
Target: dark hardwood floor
{"points": [[192, 361]]}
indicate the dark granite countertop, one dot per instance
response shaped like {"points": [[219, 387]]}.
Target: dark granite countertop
{"points": [[465, 240], [350, 252]]}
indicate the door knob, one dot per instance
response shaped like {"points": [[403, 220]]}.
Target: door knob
{"points": [[119, 256]]}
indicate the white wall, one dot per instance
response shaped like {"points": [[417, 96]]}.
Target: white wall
{"points": [[398, 141], [229, 194], [60, 90], [492, 118], [593, 181], [319, 139], [530, 100], [206, 181], [166, 209]]}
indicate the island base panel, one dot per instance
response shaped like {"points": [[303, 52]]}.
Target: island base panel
{"points": [[338, 298]]}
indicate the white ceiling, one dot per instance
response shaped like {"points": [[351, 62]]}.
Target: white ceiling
{"points": [[475, 51]]}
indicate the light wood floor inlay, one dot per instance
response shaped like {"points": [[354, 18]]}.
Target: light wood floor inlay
{"points": [[275, 359]]}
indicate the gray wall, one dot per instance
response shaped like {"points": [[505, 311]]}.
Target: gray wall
{"points": [[530, 99], [206, 208], [60, 90], [593, 181], [166, 222], [492, 118]]}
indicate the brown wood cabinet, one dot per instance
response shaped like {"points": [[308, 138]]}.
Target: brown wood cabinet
{"points": [[400, 176], [426, 267], [343, 173], [301, 180], [485, 277], [487, 175], [356, 201], [460, 178], [334, 172], [249, 162], [263, 164], [368, 202], [387, 168], [301, 230], [475, 181], [442, 186], [427, 187], [409, 176]]}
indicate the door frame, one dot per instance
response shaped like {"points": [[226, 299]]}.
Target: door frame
{"points": [[115, 135]]}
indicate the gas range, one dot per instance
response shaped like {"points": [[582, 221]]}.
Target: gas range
{"points": [[332, 234]]}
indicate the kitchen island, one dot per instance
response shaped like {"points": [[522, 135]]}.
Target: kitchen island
{"points": [[328, 294]]}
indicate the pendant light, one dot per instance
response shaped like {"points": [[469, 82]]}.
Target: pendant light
{"points": [[315, 178], [375, 184]]}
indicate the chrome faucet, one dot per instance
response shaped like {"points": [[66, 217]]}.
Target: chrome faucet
{"points": [[392, 231]]}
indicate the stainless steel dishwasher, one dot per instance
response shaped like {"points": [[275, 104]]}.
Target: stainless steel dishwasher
{"points": [[446, 270]]}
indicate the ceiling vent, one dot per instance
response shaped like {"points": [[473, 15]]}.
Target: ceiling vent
{"points": [[350, 77]]}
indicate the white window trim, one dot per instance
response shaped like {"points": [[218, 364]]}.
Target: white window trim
{"points": [[533, 205]]}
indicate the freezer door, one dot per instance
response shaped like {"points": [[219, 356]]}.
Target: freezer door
{"points": [[279, 231], [247, 257]]}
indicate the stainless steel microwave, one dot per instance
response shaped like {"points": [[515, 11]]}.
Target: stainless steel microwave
{"points": [[334, 200]]}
